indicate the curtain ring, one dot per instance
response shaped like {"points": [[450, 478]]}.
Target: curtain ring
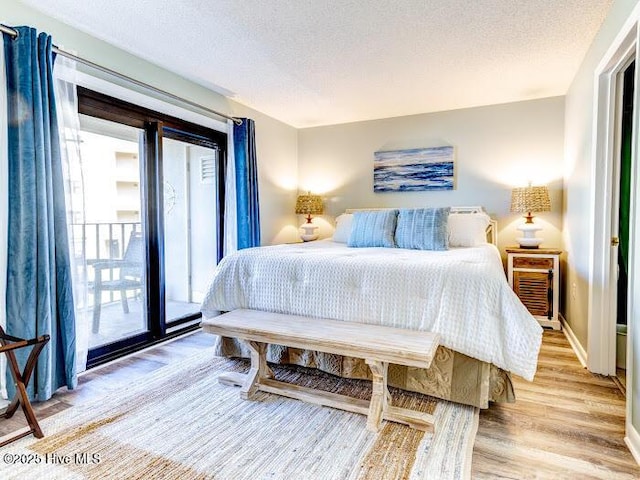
{"points": [[12, 32]]}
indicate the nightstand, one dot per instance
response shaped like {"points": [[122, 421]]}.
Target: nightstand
{"points": [[534, 274]]}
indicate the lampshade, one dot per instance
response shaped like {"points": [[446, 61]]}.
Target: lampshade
{"points": [[309, 204], [530, 199]]}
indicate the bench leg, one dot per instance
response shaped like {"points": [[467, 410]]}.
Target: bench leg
{"points": [[378, 409], [259, 369], [380, 398]]}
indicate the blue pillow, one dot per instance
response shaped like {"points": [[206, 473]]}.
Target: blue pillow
{"points": [[423, 229], [373, 229]]}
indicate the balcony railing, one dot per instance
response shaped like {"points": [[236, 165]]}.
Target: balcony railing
{"points": [[101, 241]]}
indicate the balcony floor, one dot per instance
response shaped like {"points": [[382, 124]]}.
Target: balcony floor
{"points": [[116, 325]]}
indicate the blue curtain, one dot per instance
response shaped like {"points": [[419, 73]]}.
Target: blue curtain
{"points": [[246, 170], [39, 290]]}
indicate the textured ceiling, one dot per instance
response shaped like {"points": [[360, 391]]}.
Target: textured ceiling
{"points": [[314, 62]]}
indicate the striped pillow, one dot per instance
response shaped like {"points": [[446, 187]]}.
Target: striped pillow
{"points": [[423, 229], [373, 229]]}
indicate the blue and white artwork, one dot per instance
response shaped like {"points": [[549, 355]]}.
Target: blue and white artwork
{"points": [[413, 170]]}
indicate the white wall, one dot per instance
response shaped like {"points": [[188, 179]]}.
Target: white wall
{"points": [[496, 148], [276, 142]]}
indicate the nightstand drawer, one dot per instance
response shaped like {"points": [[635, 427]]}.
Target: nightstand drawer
{"points": [[533, 262]]}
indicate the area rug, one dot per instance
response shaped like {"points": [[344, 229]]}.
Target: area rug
{"points": [[180, 423]]}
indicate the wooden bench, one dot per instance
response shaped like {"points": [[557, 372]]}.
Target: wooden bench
{"points": [[378, 345]]}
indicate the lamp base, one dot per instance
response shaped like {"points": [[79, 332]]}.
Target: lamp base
{"points": [[309, 233], [527, 243], [529, 239]]}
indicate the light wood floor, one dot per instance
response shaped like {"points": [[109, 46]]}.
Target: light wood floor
{"points": [[568, 423]]}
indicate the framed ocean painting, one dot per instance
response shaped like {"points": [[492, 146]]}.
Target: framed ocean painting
{"points": [[413, 170]]}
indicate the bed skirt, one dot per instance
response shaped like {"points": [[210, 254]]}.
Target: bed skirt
{"points": [[452, 375]]}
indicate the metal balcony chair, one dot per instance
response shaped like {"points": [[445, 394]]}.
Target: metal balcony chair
{"points": [[126, 274], [8, 345]]}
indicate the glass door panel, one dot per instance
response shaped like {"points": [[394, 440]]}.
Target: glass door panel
{"points": [[113, 231], [190, 230]]}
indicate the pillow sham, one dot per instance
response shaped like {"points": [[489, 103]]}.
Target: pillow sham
{"points": [[373, 229], [468, 229], [423, 229], [344, 223]]}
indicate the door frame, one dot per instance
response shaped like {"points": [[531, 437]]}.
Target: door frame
{"points": [[156, 126], [601, 346]]}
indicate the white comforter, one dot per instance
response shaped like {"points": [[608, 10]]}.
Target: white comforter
{"points": [[462, 294]]}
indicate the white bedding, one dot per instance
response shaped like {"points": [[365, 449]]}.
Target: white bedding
{"points": [[462, 294]]}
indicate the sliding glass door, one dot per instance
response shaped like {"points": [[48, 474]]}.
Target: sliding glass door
{"points": [[190, 227], [112, 230], [153, 195]]}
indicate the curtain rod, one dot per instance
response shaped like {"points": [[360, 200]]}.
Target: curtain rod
{"points": [[14, 33]]}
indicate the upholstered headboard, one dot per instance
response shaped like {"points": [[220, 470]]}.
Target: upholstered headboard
{"points": [[492, 229]]}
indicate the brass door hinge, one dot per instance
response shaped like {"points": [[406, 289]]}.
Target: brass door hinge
{"points": [[615, 241]]}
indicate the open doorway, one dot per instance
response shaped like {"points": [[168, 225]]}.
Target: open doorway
{"points": [[626, 86], [608, 153]]}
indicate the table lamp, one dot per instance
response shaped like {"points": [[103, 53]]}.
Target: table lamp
{"points": [[309, 205], [527, 200]]}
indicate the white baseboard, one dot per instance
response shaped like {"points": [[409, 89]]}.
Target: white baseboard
{"points": [[632, 439], [573, 341]]}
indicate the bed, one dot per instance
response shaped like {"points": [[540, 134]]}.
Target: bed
{"points": [[459, 292]]}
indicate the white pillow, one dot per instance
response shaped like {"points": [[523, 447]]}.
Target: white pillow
{"points": [[468, 229], [343, 228]]}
